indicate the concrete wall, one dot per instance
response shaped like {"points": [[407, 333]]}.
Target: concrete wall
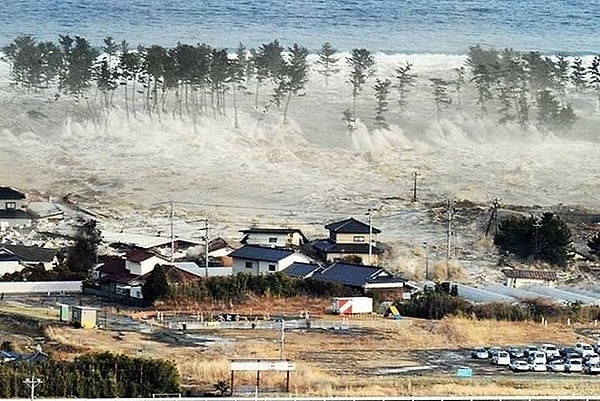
{"points": [[31, 287]]}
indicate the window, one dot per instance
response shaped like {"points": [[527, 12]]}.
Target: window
{"points": [[272, 267], [272, 240], [359, 238], [10, 205], [248, 265]]}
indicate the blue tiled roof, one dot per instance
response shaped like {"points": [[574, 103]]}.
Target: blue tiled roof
{"points": [[349, 274], [301, 270], [8, 193], [328, 246], [253, 252], [351, 225]]}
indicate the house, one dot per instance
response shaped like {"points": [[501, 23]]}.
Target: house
{"points": [[139, 262], [302, 270], [163, 245], [360, 277], [257, 260], [12, 209], [274, 237], [15, 257], [349, 239], [47, 211], [515, 278]]}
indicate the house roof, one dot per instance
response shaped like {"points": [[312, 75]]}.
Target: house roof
{"points": [[255, 230], [8, 193], [217, 243], [8, 214], [349, 274], [113, 266], [545, 275], [125, 278], [302, 270], [145, 241], [329, 246], [351, 225], [31, 254], [254, 252], [139, 255]]}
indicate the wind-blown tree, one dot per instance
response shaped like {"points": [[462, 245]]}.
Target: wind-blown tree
{"points": [[294, 76], [269, 63], [236, 76], [459, 83], [405, 79], [362, 67], [578, 76], [26, 58], [327, 61], [79, 65], [218, 77], [484, 66], [594, 80], [439, 90], [382, 90]]}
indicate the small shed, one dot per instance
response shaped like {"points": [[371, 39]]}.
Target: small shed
{"points": [[63, 313], [84, 317]]}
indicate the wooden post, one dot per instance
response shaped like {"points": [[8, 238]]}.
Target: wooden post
{"points": [[257, 381], [231, 383], [287, 382]]}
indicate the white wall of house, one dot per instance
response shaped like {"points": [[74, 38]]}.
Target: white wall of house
{"points": [[512, 282], [18, 204], [276, 240], [348, 238], [257, 267], [10, 267], [6, 223], [145, 266]]}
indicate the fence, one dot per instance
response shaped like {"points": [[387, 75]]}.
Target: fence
{"points": [[424, 398]]}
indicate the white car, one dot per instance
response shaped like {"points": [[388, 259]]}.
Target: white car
{"points": [[537, 356], [502, 358], [519, 366], [550, 350], [556, 365], [480, 353], [592, 359], [591, 368], [538, 366], [574, 365], [584, 349]]}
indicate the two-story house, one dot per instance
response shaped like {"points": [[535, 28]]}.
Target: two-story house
{"points": [[274, 237], [12, 209], [349, 239]]}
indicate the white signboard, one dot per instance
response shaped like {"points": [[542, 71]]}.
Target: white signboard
{"points": [[276, 365]]}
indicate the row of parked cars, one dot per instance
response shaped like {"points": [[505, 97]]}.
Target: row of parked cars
{"points": [[583, 357]]}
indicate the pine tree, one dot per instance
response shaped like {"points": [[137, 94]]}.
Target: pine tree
{"points": [[362, 66], [295, 75], [439, 88], [405, 79], [382, 89], [459, 83], [594, 80], [156, 286], [327, 61], [578, 74]]}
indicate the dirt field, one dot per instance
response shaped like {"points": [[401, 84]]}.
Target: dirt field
{"points": [[417, 357]]}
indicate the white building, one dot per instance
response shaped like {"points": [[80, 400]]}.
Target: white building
{"points": [[258, 260]]}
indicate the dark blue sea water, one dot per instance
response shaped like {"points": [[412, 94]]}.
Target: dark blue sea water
{"points": [[391, 26]]}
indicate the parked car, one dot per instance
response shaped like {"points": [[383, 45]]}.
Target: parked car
{"points": [[584, 349], [538, 366], [519, 366], [516, 353], [479, 353], [501, 358], [530, 350], [537, 356], [550, 350], [492, 351], [593, 359], [591, 368], [556, 365], [573, 365], [568, 353]]}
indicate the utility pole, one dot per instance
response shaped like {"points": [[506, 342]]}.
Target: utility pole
{"points": [[536, 238], [282, 339], [426, 260], [32, 383], [172, 234], [449, 233], [206, 228], [415, 175], [370, 214]]}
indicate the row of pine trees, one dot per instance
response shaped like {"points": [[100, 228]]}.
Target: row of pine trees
{"points": [[191, 80]]}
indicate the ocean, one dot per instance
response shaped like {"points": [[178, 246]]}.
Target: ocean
{"points": [[388, 26]]}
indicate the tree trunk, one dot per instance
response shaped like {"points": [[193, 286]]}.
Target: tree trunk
{"points": [[285, 109]]}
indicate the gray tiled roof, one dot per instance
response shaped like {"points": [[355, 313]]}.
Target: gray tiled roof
{"points": [[31, 254], [349, 274], [351, 225], [328, 246], [8, 193], [531, 274], [253, 252], [14, 214], [302, 270]]}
